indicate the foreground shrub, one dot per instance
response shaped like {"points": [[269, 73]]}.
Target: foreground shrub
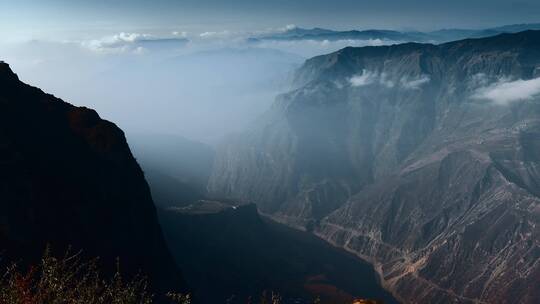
{"points": [[69, 280]]}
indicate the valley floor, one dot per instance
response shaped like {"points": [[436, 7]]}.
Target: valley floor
{"points": [[237, 252]]}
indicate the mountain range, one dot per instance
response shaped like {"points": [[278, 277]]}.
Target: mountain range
{"points": [[419, 158], [439, 36]]}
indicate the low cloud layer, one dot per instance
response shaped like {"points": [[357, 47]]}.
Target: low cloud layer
{"points": [[133, 43], [139, 43], [217, 35], [506, 91]]}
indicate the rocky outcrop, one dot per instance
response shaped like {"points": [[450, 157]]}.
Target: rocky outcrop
{"points": [[412, 157], [68, 179]]}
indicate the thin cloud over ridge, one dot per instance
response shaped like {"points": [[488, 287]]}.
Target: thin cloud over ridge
{"points": [[414, 83], [384, 79], [364, 79]]}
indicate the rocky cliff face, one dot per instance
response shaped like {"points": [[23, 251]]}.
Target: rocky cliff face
{"points": [[68, 179], [422, 159]]}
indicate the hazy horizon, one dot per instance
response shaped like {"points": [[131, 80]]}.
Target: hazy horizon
{"points": [[75, 19]]}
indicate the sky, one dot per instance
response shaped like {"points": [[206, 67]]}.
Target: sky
{"points": [[67, 19]]}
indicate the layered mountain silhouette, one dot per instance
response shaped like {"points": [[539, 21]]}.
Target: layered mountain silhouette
{"points": [[444, 35], [332, 35], [68, 179], [422, 159]]}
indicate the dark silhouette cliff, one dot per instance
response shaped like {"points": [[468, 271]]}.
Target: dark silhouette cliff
{"points": [[68, 178]]}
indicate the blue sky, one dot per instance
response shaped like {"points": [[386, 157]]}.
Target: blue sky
{"points": [[65, 18]]}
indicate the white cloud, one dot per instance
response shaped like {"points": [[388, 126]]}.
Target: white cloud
{"points": [[415, 83], [364, 79], [134, 43], [384, 79], [118, 43], [220, 34], [289, 27], [506, 91]]}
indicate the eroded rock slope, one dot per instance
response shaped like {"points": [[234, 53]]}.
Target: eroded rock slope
{"points": [[423, 159]]}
